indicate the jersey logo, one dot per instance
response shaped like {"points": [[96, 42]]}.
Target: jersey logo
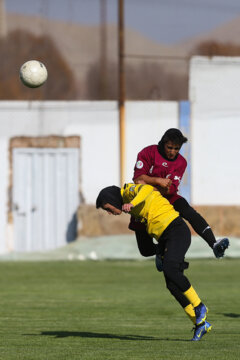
{"points": [[177, 178], [151, 170], [199, 335], [139, 164], [165, 164], [132, 188]]}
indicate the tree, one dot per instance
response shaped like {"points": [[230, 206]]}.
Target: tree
{"points": [[215, 48], [21, 46], [147, 81], [151, 81]]}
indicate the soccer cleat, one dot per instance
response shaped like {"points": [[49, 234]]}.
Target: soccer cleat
{"points": [[201, 330], [219, 247], [201, 313]]}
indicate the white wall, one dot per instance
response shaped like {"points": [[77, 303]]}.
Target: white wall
{"points": [[215, 116], [97, 124], [145, 124], [3, 193]]}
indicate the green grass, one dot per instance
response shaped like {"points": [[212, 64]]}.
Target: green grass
{"points": [[114, 310]]}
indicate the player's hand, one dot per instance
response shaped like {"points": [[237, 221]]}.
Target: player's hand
{"points": [[127, 207], [140, 181], [164, 183]]}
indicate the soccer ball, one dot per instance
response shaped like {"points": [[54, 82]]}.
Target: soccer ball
{"points": [[33, 73]]}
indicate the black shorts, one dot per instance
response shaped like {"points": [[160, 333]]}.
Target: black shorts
{"points": [[175, 241]]}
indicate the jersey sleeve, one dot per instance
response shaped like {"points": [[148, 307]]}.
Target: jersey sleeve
{"points": [[143, 163], [176, 177], [141, 192]]}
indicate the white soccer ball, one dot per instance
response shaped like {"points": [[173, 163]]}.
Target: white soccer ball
{"points": [[33, 73]]}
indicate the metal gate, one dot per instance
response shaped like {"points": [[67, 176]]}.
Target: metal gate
{"points": [[45, 197]]}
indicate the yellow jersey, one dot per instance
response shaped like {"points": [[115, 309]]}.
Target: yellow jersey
{"points": [[150, 207]]}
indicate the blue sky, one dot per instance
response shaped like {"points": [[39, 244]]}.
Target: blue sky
{"points": [[164, 21]]}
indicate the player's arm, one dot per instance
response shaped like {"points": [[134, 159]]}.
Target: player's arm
{"points": [[140, 194], [154, 181], [142, 168]]}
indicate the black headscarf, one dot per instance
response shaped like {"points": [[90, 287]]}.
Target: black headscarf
{"points": [[110, 195], [174, 135]]}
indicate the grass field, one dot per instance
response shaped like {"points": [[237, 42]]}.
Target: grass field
{"points": [[114, 310]]}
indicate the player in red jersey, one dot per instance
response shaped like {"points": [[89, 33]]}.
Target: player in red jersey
{"points": [[163, 166]]}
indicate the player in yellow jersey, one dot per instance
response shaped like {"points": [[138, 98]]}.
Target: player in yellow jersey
{"points": [[173, 236]]}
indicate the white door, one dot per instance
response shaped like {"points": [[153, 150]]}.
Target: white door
{"points": [[45, 197]]}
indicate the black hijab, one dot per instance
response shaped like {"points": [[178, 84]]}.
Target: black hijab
{"points": [[174, 135], [110, 195]]}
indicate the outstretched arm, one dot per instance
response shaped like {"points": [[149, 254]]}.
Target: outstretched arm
{"points": [[140, 193], [162, 184]]}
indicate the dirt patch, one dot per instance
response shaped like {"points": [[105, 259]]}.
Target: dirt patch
{"points": [[224, 220]]}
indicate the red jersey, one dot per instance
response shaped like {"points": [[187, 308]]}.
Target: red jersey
{"points": [[151, 163]]}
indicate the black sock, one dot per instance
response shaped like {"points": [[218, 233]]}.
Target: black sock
{"points": [[208, 236]]}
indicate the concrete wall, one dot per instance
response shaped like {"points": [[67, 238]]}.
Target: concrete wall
{"points": [[97, 125], [215, 126], [145, 124]]}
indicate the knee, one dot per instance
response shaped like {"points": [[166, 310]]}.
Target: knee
{"points": [[188, 212], [146, 252], [184, 209], [145, 243], [171, 268]]}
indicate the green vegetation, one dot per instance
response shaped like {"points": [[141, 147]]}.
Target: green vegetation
{"points": [[113, 310]]}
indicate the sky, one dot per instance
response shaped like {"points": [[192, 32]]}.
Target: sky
{"points": [[164, 21]]}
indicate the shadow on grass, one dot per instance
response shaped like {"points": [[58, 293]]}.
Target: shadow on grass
{"points": [[83, 334], [232, 315]]}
